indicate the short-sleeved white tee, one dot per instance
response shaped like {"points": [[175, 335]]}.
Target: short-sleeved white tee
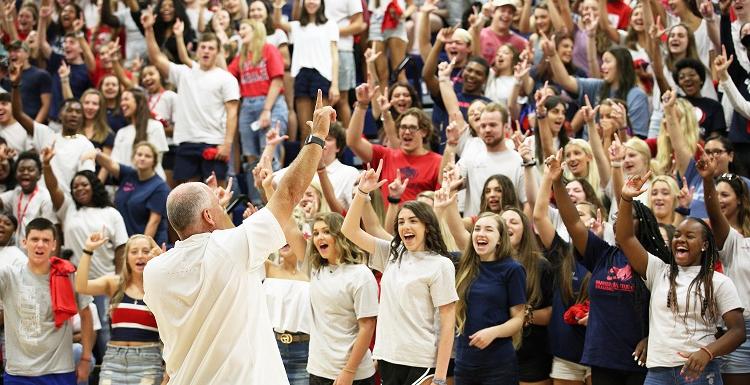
{"points": [[122, 151], [342, 178], [479, 166], [339, 296], [15, 136], [81, 222], [312, 47], [207, 298], [26, 207], [278, 38], [68, 150], [735, 256], [201, 116], [412, 290], [668, 332], [340, 11]]}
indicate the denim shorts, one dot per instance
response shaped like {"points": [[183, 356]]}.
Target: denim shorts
{"points": [[294, 357], [307, 83], [138, 365], [347, 71], [738, 361], [253, 142], [377, 33], [671, 376]]}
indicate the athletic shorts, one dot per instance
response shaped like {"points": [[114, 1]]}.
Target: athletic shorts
{"points": [[189, 163], [395, 374]]}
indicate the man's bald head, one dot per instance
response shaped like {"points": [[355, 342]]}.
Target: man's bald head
{"points": [[186, 203]]}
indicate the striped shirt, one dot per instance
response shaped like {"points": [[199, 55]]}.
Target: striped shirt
{"points": [[133, 321]]}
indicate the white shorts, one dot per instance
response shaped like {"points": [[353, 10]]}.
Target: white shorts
{"points": [[567, 370]]}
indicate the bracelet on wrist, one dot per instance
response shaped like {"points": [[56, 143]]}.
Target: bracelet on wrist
{"points": [[710, 355], [89, 252], [616, 164], [438, 381], [394, 200], [361, 105], [626, 200], [347, 370], [530, 163]]}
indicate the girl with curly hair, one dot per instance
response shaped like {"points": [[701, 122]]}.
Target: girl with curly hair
{"points": [[135, 349], [419, 326]]}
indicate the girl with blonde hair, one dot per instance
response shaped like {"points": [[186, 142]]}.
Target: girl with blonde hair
{"points": [[679, 120]]}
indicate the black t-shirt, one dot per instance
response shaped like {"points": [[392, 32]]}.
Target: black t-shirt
{"points": [[710, 117]]}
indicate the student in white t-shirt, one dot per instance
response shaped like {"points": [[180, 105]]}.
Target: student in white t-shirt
{"points": [[344, 303], [347, 14], [135, 109], [207, 108], [415, 331], [728, 205], [10, 130], [688, 299], [315, 60]]}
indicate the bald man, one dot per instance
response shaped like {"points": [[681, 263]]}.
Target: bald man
{"points": [[206, 292]]}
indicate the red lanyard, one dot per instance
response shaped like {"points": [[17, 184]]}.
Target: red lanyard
{"points": [[20, 213], [153, 105]]}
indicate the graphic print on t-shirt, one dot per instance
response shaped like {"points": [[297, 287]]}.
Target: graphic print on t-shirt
{"points": [[408, 172], [30, 313], [618, 279]]}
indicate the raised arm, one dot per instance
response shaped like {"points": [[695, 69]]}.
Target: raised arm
{"points": [[616, 156], [105, 285], [277, 21], [182, 52], [16, 104], [301, 171], [102, 159], [45, 11], [603, 23], [431, 63], [706, 166], [542, 223], [50, 180], [624, 230], [368, 182], [328, 193], [682, 152], [448, 93], [446, 208], [706, 9], [597, 145], [88, 56], [155, 55], [359, 145], [578, 231], [739, 103], [559, 73]]}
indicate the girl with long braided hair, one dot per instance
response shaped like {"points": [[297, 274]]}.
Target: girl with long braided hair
{"points": [[728, 205], [617, 322], [688, 299], [417, 312]]}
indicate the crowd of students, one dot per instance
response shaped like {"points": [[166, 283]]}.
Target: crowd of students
{"points": [[508, 191]]}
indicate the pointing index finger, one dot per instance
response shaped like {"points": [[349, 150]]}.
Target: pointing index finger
{"points": [[319, 100]]}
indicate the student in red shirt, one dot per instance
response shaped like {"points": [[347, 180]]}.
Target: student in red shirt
{"points": [[409, 156], [259, 68]]}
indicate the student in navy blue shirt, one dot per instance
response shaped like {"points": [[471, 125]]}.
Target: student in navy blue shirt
{"points": [[491, 287], [618, 315], [141, 198], [566, 341]]}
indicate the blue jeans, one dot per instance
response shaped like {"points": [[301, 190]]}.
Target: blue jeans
{"points": [[294, 356], [671, 376], [253, 142], [738, 361], [77, 350], [131, 365], [505, 374], [102, 335]]}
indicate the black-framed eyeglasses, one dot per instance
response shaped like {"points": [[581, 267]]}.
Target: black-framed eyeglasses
{"points": [[408, 128]]}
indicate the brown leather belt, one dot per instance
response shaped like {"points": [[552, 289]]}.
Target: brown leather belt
{"points": [[289, 338]]}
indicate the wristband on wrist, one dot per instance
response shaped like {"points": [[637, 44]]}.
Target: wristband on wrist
{"points": [[394, 200], [684, 211], [530, 163], [360, 105], [89, 252]]}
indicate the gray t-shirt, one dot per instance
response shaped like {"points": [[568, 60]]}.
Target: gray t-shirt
{"points": [[33, 345], [339, 296]]}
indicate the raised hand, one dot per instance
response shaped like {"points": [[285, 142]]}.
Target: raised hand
{"points": [[365, 93], [706, 9], [47, 154], [371, 55], [398, 186], [445, 70], [722, 63], [45, 12], [96, 239], [429, 6], [590, 23], [370, 179], [521, 70], [443, 198], [147, 18], [384, 102], [178, 28], [554, 165], [250, 210], [78, 25], [64, 70], [685, 197], [446, 34], [668, 100], [706, 164], [656, 30], [548, 45], [634, 186], [223, 193], [272, 136], [616, 149], [453, 132], [589, 113], [322, 117]]}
